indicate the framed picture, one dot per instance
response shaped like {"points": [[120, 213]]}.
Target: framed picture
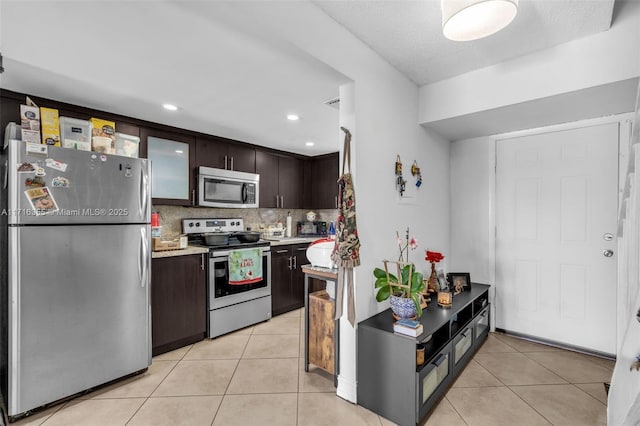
{"points": [[459, 281]]}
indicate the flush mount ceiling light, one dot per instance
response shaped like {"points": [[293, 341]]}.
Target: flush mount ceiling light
{"points": [[170, 107], [465, 20], [310, 143], [292, 117]]}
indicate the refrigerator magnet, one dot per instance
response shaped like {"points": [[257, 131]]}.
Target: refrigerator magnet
{"points": [[26, 168], [41, 200], [40, 171], [35, 182], [103, 158], [36, 148], [60, 182], [55, 164]]}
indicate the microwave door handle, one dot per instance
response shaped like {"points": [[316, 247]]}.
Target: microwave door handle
{"points": [[244, 193]]}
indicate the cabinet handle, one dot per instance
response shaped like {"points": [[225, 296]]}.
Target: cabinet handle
{"points": [[281, 251], [290, 260], [225, 163], [282, 201], [193, 197], [277, 201], [232, 168], [202, 261], [295, 262], [439, 360], [336, 197]]}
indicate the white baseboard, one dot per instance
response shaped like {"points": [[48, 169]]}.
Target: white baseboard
{"points": [[347, 389]]}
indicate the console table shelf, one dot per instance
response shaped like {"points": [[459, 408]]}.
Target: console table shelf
{"points": [[389, 381]]}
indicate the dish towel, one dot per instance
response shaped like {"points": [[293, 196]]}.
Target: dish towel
{"points": [[245, 266], [346, 252]]}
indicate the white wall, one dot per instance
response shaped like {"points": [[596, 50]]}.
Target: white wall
{"points": [[603, 58], [380, 108]]}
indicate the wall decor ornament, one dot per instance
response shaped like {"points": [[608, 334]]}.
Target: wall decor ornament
{"points": [[415, 171], [400, 182]]}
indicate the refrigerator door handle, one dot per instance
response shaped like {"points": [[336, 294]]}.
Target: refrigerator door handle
{"points": [[144, 183], [143, 264], [6, 174]]}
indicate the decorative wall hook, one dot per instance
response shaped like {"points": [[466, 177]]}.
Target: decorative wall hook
{"points": [[415, 171], [400, 182]]}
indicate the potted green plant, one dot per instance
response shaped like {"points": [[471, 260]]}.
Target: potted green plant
{"points": [[405, 287]]}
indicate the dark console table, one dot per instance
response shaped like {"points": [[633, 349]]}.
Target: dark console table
{"points": [[389, 381]]}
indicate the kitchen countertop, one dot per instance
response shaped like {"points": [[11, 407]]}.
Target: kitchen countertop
{"points": [[293, 240], [182, 252]]}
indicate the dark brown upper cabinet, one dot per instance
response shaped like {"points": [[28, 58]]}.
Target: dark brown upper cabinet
{"points": [[281, 183], [172, 157], [324, 181], [224, 154]]}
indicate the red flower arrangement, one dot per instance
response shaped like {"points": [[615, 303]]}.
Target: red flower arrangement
{"points": [[433, 257]]}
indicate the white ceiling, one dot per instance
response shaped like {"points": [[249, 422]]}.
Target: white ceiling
{"points": [[233, 78], [408, 33]]}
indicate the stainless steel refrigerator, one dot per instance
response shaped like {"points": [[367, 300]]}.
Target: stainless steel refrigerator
{"points": [[75, 294]]}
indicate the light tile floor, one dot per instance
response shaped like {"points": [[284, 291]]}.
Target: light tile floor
{"points": [[256, 376]]}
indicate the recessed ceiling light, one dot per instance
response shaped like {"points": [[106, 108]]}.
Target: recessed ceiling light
{"points": [[310, 143], [292, 117], [170, 107], [179, 151]]}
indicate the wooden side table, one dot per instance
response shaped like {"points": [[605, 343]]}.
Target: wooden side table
{"points": [[320, 301]]}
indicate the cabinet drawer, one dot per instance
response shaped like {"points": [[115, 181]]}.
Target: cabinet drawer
{"points": [[461, 346], [432, 380], [481, 326]]}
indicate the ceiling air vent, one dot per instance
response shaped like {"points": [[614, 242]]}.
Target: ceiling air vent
{"points": [[333, 103]]}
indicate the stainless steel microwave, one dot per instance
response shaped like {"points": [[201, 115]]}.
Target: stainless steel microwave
{"points": [[227, 188]]}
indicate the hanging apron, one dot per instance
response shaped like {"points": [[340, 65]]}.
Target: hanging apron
{"points": [[346, 252]]}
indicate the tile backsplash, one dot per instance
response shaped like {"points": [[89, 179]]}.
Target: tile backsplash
{"points": [[171, 216]]}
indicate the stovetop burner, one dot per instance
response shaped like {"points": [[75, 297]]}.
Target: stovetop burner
{"points": [[195, 228], [198, 240]]}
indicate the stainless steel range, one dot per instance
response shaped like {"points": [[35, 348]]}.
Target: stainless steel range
{"points": [[239, 281]]}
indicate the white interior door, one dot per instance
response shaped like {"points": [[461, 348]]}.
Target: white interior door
{"points": [[556, 208]]}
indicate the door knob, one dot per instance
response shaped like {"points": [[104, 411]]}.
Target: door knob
{"points": [[608, 253]]}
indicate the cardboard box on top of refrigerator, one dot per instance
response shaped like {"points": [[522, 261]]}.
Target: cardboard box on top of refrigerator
{"points": [[50, 126], [103, 136], [30, 123]]}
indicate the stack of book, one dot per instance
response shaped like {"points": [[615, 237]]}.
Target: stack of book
{"points": [[408, 326]]}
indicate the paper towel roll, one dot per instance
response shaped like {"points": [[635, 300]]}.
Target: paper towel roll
{"points": [[288, 234]]}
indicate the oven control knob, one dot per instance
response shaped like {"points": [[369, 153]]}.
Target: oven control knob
{"points": [[197, 224], [190, 224]]}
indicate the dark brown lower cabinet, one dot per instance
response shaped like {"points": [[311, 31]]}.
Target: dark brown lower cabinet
{"points": [[178, 301], [287, 278]]}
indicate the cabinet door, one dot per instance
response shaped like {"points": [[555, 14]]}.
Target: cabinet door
{"points": [[178, 302], [433, 379], [241, 158], [324, 182], [290, 182], [172, 156], [210, 152], [280, 279], [299, 253], [267, 168]]}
